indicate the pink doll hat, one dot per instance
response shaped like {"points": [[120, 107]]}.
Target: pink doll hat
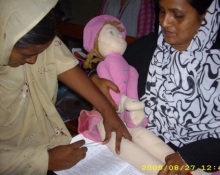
{"points": [[93, 27]]}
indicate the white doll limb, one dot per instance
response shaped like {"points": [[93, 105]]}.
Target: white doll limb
{"points": [[146, 152], [129, 104], [150, 142], [121, 107], [137, 117], [133, 154]]}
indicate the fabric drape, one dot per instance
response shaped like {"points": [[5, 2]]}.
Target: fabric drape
{"points": [[128, 14]]}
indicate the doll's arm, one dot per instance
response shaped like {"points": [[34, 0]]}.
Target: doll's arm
{"points": [[104, 71], [132, 91], [115, 68]]}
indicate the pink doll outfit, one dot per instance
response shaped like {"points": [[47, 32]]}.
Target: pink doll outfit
{"points": [[87, 124], [115, 68]]}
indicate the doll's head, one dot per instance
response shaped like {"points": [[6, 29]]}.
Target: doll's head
{"points": [[110, 40], [103, 35]]}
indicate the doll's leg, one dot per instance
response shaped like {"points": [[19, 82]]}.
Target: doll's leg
{"points": [[150, 142], [133, 154]]}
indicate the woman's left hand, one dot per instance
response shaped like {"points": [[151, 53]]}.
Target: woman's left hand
{"points": [[114, 124], [111, 122], [174, 166]]}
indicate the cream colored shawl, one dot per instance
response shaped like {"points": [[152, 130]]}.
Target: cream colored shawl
{"points": [[29, 122]]}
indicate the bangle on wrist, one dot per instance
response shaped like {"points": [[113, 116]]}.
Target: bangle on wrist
{"points": [[92, 72]]}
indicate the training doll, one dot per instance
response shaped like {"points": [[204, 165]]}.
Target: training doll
{"points": [[104, 40]]}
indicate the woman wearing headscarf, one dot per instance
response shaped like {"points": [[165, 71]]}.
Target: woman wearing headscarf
{"points": [[33, 137], [179, 82]]}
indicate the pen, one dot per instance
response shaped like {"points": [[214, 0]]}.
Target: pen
{"points": [[92, 144]]}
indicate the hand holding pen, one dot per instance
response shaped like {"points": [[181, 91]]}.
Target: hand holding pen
{"points": [[91, 144]]}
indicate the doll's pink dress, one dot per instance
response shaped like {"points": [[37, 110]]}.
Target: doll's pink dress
{"points": [[115, 68]]}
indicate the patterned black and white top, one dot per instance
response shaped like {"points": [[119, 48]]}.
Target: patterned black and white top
{"points": [[182, 95]]}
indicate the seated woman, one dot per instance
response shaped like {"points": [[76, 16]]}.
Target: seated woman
{"points": [[179, 73]]}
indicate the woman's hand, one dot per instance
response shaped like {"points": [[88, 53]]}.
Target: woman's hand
{"points": [[112, 123], [105, 85], [66, 156], [175, 166]]}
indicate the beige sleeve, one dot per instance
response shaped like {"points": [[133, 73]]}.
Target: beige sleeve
{"points": [[64, 58], [31, 160]]}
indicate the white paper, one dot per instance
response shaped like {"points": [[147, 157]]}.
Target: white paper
{"points": [[99, 160]]}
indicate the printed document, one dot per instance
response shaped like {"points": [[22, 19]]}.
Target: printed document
{"points": [[99, 160]]}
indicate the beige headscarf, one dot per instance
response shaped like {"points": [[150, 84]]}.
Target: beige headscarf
{"points": [[29, 122]]}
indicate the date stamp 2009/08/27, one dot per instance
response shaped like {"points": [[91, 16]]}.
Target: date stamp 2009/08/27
{"points": [[167, 167]]}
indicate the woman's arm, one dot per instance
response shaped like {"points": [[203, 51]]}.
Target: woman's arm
{"points": [[78, 81], [203, 154], [105, 85]]}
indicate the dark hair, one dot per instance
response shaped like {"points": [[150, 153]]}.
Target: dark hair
{"points": [[200, 6], [42, 33]]}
